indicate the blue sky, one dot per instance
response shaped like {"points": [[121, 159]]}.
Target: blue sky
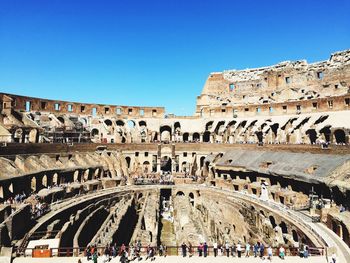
{"points": [[155, 53]]}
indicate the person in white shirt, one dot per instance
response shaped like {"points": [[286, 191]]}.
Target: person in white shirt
{"points": [[215, 246], [269, 253], [239, 249]]}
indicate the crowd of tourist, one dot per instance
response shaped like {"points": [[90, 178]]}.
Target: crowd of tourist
{"points": [[135, 251]]}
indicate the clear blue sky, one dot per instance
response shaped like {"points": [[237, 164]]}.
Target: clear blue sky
{"points": [[156, 53]]}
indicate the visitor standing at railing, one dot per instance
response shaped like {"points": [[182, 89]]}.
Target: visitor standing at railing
{"points": [[215, 247]]}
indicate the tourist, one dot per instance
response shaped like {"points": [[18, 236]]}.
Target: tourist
{"points": [[306, 251], [161, 250], [205, 249], [282, 252], [256, 249], [233, 249], [190, 249], [94, 257], [269, 253], [239, 249], [150, 253], [262, 250], [334, 258], [200, 249], [184, 249], [215, 247], [227, 248], [247, 250], [88, 253]]}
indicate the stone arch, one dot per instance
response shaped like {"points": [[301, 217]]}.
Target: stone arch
{"points": [[142, 124], [326, 131], [185, 167], [185, 137], [180, 193], [206, 136], [339, 136], [44, 181], [295, 235], [86, 175], [131, 124], [209, 125], [201, 161], [312, 135], [55, 179], [165, 133], [166, 164], [97, 173], [95, 132], [108, 122], [33, 184], [177, 126], [146, 167], [119, 123], [284, 227], [272, 221], [61, 119], [196, 136], [128, 161], [76, 176]]}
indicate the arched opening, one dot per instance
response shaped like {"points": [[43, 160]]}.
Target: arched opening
{"points": [[259, 135], [128, 160], [177, 126], [284, 227], [185, 167], [312, 135], [326, 131], [206, 136], [131, 124], [201, 161], [339, 136], [94, 132], [209, 125], [61, 119], [272, 221], [180, 193], [86, 175], [55, 179], [165, 133], [185, 137], [295, 236], [191, 197], [108, 122], [274, 128], [165, 164], [120, 123], [142, 124], [146, 167], [44, 181], [76, 176], [33, 184], [196, 137]]}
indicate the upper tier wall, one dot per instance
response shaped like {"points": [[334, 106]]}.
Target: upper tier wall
{"points": [[24, 103], [285, 83]]}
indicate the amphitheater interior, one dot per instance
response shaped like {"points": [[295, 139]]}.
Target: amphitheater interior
{"points": [[265, 158]]}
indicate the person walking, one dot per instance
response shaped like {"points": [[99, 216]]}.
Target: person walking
{"points": [[282, 252]]}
